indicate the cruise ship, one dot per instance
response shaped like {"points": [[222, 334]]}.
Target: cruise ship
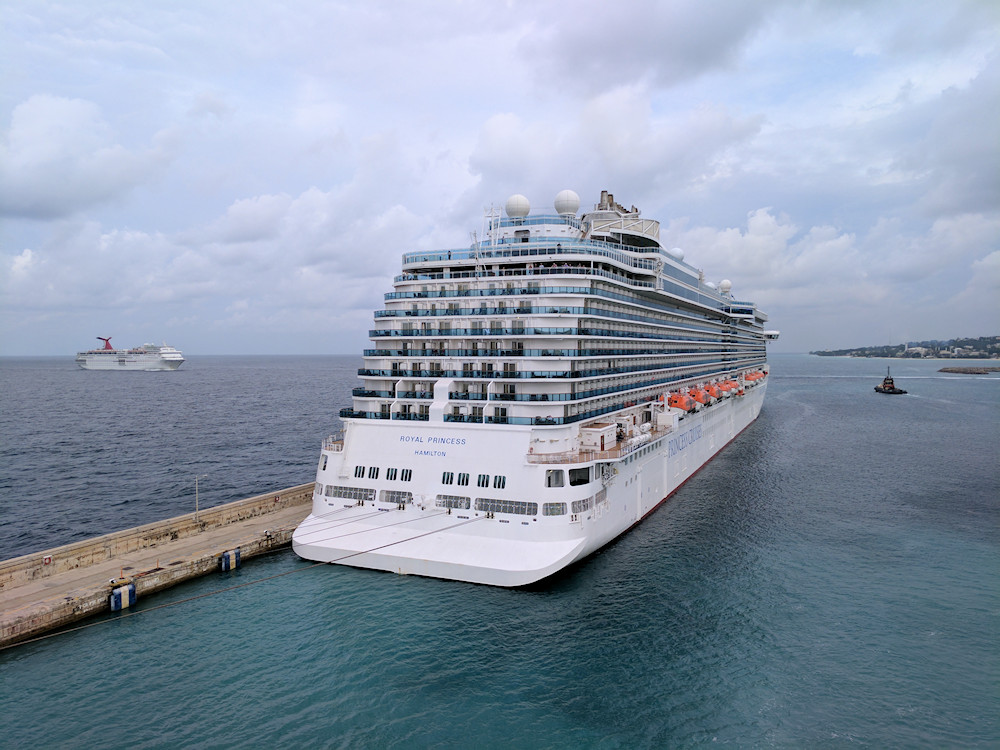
{"points": [[531, 397], [147, 357]]}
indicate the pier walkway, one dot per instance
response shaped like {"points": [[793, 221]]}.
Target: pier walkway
{"points": [[49, 589]]}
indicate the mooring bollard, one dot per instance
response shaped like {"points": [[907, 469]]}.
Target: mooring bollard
{"points": [[122, 597], [230, 560]]}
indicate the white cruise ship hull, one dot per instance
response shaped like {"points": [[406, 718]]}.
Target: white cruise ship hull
{"points": [[126, 360], [422, 538]]}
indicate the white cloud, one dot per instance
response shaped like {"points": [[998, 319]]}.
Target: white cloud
{"points": [[592, 47], [59, 156], [836, 161], [21, 264]]}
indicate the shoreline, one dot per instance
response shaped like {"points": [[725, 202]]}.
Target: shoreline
{"points": [[970, 370]]}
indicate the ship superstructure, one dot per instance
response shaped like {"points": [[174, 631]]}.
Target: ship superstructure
{"points": [[148, 357], [531, 397]]}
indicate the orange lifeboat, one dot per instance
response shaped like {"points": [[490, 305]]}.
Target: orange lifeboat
{"points": [[680, 401], [701, 396], [714, 390]]}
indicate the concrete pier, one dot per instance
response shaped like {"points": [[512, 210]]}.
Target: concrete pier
{"points": [[49, 589]]}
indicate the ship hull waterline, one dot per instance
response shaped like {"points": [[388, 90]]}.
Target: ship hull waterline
{"points": [[132, 366]]}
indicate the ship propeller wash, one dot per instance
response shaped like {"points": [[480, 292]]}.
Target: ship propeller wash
{"points": [[529, 398]]}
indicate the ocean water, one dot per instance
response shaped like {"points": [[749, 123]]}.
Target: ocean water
{"points": [[86, 453], [829, 580]]}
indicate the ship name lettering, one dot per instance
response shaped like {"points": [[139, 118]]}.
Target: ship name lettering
{"points": [[683, 440], [434, 440]]}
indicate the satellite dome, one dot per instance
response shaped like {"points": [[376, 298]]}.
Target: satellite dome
{"points": [[710, 284], [567, 202], [725, 285], [677, 253], [517, 207]]}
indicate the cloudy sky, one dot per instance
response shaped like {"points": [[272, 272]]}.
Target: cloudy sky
{"points": [[242, 177]]}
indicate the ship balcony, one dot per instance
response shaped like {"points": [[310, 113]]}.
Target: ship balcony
{"points": [[541, 250], [415, 394], [589, 414], [528, 331], [366, 393], [630, 395], [621, 450], [441, 293], [553, 270], [730, 348], [334, 443], [690, 364]]}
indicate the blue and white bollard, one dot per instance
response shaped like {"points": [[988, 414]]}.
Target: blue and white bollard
{"points": [[230, 560], [122, 597]]}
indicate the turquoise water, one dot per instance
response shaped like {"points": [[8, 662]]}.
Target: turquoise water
{"points": [[829, 580]]}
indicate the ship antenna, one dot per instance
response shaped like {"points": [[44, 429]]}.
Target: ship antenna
{"points": [[107, 342]]}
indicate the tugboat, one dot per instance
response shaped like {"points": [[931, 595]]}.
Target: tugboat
{"points": [[888, 386]]}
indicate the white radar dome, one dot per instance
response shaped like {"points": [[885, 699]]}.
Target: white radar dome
{"points": [[677, 253], [567, 202], [517, 207], [725, 285]]}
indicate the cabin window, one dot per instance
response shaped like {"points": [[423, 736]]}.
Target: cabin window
{"points": [[553, 509], [322, 466], [579, 476], [359, 472], [447, 477], [406, 475], [390, 474], [351, 493], [554, 478], [484, 480], [463, 478], [396, 496], [492, 505], [373, 472], [452, 501], [499, 482]]}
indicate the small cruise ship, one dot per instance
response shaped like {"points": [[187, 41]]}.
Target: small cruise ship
{"points": [[529, 398], [147, 357]]}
